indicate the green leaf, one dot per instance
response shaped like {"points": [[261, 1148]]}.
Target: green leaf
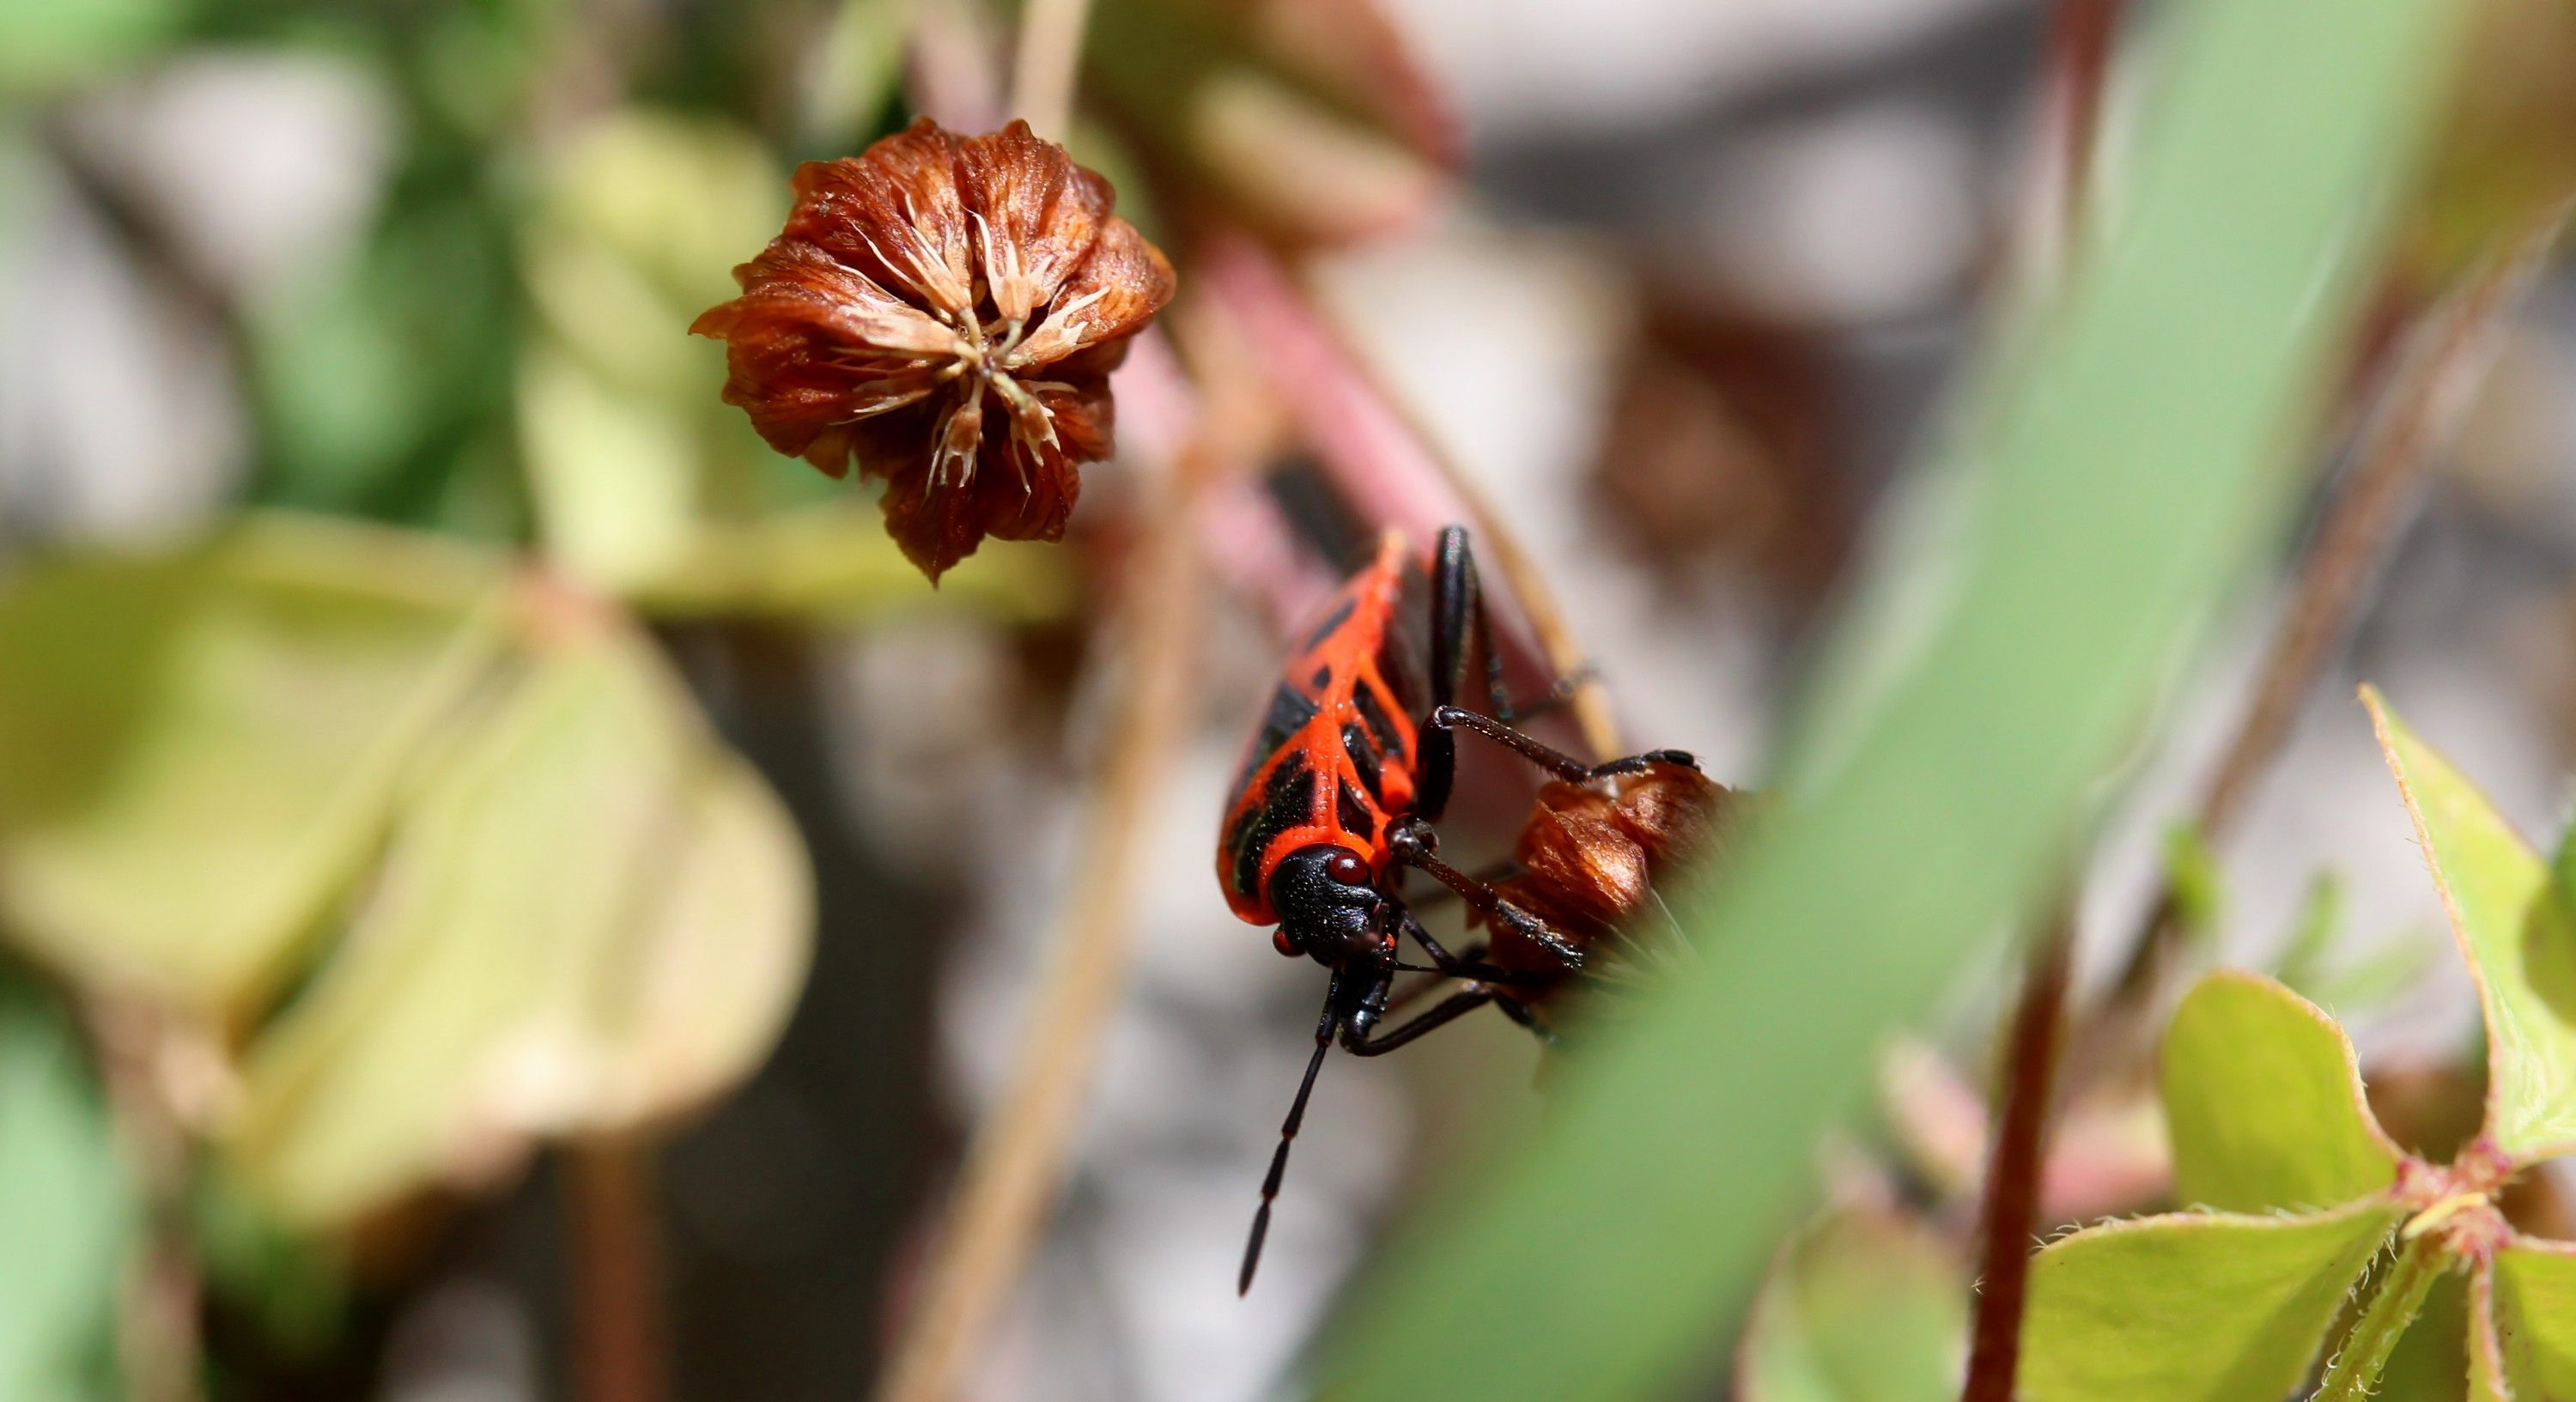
{"points": [[2264, 1104], [2127, 458], [1862, 1307], [2192, 1308], [2535, 1318], [198, 750], [591, 917], [67, 1213], [2517, 934]]}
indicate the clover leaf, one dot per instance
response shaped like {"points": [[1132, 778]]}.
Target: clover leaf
{"points": [[2263, 1102]]}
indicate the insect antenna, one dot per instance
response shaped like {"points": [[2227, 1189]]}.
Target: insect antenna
{"points": [[1279, 1168]]}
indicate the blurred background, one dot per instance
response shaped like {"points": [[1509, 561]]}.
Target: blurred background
{"points": [[494, 859]]}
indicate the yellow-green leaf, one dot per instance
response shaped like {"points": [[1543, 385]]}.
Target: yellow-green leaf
{"points": [[199, 749], [2534, 1309], [2517, 933], [2264, 1103], [591, 916], [2191, 1308], [1862, 1307]]}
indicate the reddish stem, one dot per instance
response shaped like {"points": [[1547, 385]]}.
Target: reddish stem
{"points": [[2013, 1170], [617, 1271]]}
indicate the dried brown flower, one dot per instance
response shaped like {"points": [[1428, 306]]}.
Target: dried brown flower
{"points": [[946, 310]]}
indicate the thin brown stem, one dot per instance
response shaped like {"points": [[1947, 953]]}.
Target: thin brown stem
{"points": [[1014, 1166], [620, 1342], [1044, 66], [2420, 401], [2009, 1217]]}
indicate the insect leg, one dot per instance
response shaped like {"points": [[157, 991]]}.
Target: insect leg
{"points": [[1521, 1014], [1412, 842], [1471, 965], [1447, 1010], [1538, 752], [1324, 1025]]}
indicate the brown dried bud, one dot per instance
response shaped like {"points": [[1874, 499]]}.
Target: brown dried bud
{"points": [[945, 311]]}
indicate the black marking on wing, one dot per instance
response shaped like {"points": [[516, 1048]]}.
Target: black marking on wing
{"points": [[1399, 660], [1357, 818], [1364, 697], [1237, 834], [1340, 615], [1290, 709], [1364, 759], [1287, 800], [1323, 678]]}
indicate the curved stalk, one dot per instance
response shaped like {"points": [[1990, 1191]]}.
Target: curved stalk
{"points": [[2354, 1374]]}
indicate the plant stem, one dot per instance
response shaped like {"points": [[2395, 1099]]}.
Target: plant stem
{"points": [[618, 1325], [1015, 1162], [1044, 65], [2015, 1166], [2422, 399], [2354, 1374]]}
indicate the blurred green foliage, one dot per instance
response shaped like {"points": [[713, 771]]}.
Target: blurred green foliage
{"points": [[67, 1211], [1861, 1307], [441, 853]]}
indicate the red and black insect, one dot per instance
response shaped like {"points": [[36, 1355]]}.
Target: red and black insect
{"points": [[1352, 765]]}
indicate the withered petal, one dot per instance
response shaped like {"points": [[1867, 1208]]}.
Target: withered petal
{"points": [[1027, 491], [893, 212], [1083, 416], [1038, 215], [795, 280], [1111, 296], [934, 526]]}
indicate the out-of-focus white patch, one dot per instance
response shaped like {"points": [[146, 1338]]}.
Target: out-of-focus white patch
{"points": [[117, 415], [1527, 66], [1867, 216], [255, 164]]}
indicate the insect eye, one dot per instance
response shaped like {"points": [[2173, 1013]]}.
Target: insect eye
{"points": [[1279, 941], [1347, 869]]}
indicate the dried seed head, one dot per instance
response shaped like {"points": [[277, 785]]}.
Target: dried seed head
{"points": [[945, 311]]}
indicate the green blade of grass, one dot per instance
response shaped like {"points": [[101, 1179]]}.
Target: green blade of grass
{"points": [[2126, 461]]}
